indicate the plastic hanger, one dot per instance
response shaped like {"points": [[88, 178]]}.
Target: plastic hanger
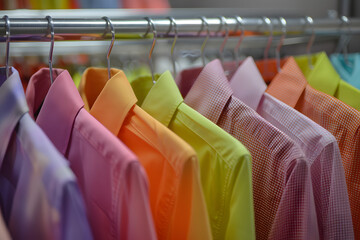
{"points": [[222, 47], [206, 25], [268, 22], [51, 30], [240, 24], [109, 24], [173, 26], [151, 26], [7, 30], [281, 42], [310, 22]]}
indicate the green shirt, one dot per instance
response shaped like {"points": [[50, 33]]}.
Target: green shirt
{"points": [[225, 163], [323, 77]]}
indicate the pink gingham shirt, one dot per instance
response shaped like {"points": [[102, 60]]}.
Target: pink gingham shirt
{"points": [[320, 148], [282, 185]]}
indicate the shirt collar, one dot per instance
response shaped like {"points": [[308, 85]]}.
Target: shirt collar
{"points": [[12, 106], [322, 76], [289, 84], [60, 101], [348, 70], [109, 100], [248, 84], [268, 68], [212, 80], [161, 99]]}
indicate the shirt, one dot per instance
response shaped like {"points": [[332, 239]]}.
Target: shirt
{"points": [[323, 77], [4, 233], [349, 68], [176, 196], [225, 164], [112, 181], [319, 146], [39, 195], [341, 120], [283, 199]]}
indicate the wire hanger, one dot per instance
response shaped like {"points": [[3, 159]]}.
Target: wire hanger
{"points": [[206, 25], [281, 42], [268, 22], [310, 22], [173, 25], [109, 24], [7, 30], [240, 24], [151, 26], [344, 40], [51, 30], [223, 23]]}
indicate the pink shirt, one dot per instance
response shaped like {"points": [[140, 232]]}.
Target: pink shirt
{"points": [[112, 181], [282, 185], [320, 148]]}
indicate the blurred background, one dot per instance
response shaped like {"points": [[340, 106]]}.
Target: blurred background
{"points": [[315, 8]]}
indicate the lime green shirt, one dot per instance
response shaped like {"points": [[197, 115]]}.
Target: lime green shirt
{"points": [[323, 77], [225, 163]]}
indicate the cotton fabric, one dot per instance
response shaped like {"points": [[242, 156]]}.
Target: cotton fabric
{"points": [[176, 197], [283, 197], [112, 181], [225, 164], [323, 77], [342, 121], [319, 146], [39, 195]]}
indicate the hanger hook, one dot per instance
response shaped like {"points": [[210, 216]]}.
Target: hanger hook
{"points": [[151, 26], [240, 24], [346, 39], [7, 30], [281, 42], [222, 47], [268, 22], [173, 25], [309, 21], [109, 24], [51, 31], [205, 24]]}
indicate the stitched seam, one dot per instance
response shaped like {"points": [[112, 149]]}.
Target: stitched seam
{"points": [[171, 200], [135, 130], [221, 224], [193, 131], [111, 158]]}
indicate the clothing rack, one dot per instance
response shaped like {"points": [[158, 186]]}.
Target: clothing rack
{"points": [[23, 29]]}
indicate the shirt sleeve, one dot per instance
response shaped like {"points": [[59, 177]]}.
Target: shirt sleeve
{"points": [[199, 227], [135, 220], [74, 222], [296, 215], [241, 223], [335, 206]]}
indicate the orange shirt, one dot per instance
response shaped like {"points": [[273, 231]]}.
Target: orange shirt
{"points": [[176, 197], [290, 86]]}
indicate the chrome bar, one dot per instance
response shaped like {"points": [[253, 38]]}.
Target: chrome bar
{"points": [[24, 29]]}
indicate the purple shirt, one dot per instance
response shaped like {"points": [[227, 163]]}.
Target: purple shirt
{"points": [[282, 185], [39, 196], [113, 182], [320, 148]]}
